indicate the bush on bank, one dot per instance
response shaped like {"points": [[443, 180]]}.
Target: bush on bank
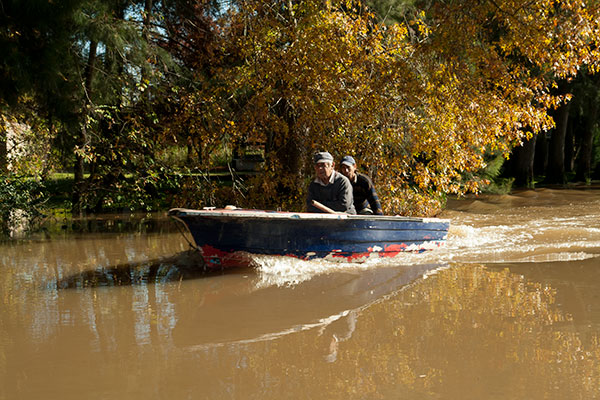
{"points": [[21, 199]]}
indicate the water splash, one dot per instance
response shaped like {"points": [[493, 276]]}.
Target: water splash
{"points": [[473, 238], [524, 240], [288, 271]]}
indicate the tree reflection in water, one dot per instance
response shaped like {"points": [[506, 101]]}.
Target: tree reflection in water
{"points": [[466, 332], [184, 265]]}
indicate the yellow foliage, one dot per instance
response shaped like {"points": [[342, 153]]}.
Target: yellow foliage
{"points": [[417, 103]]}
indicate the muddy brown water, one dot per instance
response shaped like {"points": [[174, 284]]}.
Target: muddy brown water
{"points": [[509, 309]]}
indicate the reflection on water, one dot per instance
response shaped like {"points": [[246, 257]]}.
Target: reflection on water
{"points": [[265, 313], [185, 265], [509, 310], [55, 227]]}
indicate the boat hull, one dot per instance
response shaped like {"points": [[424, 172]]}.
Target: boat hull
{"points": [[229, 237]]}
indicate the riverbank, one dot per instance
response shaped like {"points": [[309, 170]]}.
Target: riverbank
{"points": [[53, 216]]}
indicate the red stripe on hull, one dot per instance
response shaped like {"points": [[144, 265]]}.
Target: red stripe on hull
{"points": [[219, 259]]}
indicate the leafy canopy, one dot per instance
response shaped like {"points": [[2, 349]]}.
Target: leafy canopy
{"points": [[418, 97]]}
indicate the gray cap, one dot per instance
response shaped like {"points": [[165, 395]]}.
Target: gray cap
{"points": [[322, 157], [348, 160]]}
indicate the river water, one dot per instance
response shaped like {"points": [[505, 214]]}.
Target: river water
{"points": [[509, 309]]}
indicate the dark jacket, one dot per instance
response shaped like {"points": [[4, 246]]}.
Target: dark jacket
{"points": [[336, 195], [365, 195]]}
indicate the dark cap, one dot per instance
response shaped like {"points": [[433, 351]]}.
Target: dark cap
{"points": [[322, 157], [348, 160]]}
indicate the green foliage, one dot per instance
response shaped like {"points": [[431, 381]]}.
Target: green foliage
{"points": [[222, 156], [20, 198], [173, 156], [58, 188], [392, 11], [491, 174], [197, 190], [29, 143]]}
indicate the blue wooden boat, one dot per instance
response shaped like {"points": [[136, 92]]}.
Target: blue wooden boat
{"points": [[228, 237]]}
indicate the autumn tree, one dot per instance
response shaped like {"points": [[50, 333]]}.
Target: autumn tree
{"points": [[547, 43], [422, 93], [419, 99]]}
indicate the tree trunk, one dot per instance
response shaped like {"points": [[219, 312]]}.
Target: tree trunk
{"points": [[83, 138], [290, 151], [523, 164], [3, 149], [540, 161], [556, 157], [4, 215], [570, 147], [189, 156], [584, 164]]}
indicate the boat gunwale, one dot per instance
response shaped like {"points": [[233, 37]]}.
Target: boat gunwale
{"points": [[289, 215]]}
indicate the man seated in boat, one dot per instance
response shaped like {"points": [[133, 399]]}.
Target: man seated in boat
{"points": [[366, 201], [330, 188]]}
